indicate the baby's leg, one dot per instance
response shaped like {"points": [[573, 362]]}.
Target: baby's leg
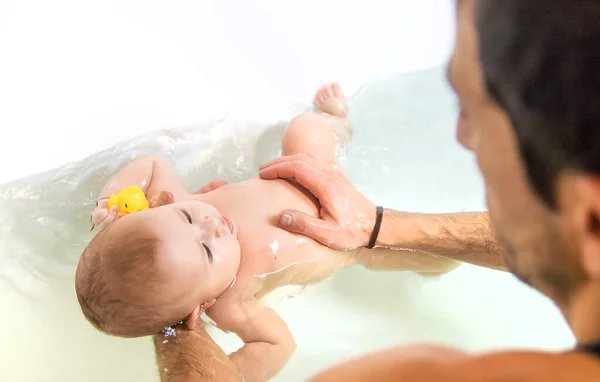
{"points": [[317, 134]]}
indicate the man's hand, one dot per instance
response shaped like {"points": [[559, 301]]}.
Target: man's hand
{"points": [[346, 216]]}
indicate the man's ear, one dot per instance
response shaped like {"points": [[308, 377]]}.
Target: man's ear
{"points": [[590, 199]]}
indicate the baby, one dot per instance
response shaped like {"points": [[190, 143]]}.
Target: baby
{"points": [[219, 250]]}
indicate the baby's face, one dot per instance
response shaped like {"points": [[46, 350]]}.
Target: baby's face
{"points": [[200, 245]]}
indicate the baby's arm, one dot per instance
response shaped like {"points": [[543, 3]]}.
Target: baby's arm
{"points": [[268, 343], [152, 174]]}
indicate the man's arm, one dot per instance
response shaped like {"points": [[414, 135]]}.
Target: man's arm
{"points": [[192, 356], [465, 237], [268, 343], [347, 218]]}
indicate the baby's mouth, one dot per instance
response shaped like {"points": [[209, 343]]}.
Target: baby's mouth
{"points": [[229, 224]]}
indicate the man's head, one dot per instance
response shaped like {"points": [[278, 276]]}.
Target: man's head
{"points": [[527, 77], [154, 268]]}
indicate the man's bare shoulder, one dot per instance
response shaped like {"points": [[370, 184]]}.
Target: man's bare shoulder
{"points": [[530, 366], [432, 363]]}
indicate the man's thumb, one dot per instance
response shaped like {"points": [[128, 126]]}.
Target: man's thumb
{"points": [[299, 222]]}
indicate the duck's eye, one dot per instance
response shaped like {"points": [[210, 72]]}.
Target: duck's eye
{"points": [[125, 205]]}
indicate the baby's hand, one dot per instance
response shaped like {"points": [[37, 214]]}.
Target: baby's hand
{"points": [[211, 186], [164, 198], [102, 216]]}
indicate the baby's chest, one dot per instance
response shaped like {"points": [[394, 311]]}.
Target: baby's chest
{"points": [[279, 258]]}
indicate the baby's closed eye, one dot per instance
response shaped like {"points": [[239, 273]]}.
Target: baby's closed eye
{"points": [[187, 216]]}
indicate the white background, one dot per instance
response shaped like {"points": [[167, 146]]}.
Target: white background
{"points": [[78, 76]]}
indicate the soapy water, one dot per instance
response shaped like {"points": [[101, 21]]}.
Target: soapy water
{"points": [[403, 136], [54, 208]]}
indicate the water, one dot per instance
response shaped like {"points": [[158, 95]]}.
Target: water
{"points": [[402, 155]]}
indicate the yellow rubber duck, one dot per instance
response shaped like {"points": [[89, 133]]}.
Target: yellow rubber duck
{"points": [[130, 199]]}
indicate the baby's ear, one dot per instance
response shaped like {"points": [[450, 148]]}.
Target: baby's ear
{"points": [[164, 198], [204, 307], [192, 319]]}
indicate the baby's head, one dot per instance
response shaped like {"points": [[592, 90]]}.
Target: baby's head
{"points": [[154, 268]]}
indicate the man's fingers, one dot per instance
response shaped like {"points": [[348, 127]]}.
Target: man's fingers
{"points": [[309, 177], [326, 186], [291, 158], [283, 159], [289, 169], [309, 172], [315, 228]]}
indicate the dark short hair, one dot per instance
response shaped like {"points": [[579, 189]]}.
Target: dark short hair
{"points": [[113, 264], [541, 64]]}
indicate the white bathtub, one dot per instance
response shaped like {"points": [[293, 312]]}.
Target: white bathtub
{"points": [[77, 77]]}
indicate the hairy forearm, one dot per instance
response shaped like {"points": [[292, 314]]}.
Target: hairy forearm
{"points": [[465, 237], [193, 356]]}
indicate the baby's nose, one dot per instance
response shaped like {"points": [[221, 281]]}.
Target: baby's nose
{"points": [[215, 224]]}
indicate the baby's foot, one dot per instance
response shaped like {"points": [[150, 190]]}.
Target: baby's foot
{"points": [[330, 99]]}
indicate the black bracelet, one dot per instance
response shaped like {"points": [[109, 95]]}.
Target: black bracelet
{"points": [[375, 233]]}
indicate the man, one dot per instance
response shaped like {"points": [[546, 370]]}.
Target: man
{"points": [[526, 74]]}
